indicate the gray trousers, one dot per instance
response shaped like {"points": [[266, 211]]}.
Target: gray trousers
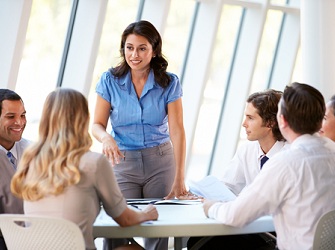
{"points": [[147, 173]]}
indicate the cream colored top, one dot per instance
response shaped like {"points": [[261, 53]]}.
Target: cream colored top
{"points": [[81, 203]]}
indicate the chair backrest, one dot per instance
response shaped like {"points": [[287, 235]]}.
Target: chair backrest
{"points": [[40, 233], [324, 237]]}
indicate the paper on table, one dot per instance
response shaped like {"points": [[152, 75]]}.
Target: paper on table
{"points": [[211, 188], [162, 202], [143, 201], [178, 202]]}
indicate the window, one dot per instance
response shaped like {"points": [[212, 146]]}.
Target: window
{"points": [[41, 59]]}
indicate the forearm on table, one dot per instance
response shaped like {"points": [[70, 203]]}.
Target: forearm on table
{"points": [[131, 217]]}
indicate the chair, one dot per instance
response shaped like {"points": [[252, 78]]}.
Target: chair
{"points": [[40, 233], [324, 237]]}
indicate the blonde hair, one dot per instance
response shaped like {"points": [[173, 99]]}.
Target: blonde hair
{"points": [[51, 164]]}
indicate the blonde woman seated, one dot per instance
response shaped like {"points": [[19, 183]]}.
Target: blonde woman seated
{"points": [[328, 123], [59, 175]]}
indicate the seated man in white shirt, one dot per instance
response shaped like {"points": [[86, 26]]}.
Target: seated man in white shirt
{"points": [[297, 185], [264, 140]]}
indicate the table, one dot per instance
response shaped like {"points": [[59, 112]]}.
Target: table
{"points": [[176, 221]]}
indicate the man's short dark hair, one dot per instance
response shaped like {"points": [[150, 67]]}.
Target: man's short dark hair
{"points": [[266, 103], [303, 107], [7, 94]]}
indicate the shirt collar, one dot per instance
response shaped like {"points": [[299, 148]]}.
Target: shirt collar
{"points": [[260, 152], [13, 150], [273, 150], [306, 139], [150, 83]]}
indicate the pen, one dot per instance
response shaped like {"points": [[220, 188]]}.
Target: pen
{"points": [[135, 206]]}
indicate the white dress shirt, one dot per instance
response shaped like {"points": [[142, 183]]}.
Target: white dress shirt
{"points": [[245, 165], [296, 186]]}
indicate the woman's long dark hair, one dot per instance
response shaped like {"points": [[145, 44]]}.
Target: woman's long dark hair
{"points": [[157, 63]]}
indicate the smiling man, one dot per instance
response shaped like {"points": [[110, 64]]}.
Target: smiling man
{"points": [[12, 124]]}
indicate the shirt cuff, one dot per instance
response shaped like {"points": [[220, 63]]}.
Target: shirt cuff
{"points": [[212, 211]]}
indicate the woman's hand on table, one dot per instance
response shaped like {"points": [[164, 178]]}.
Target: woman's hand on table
{"points": [[151, 212]]}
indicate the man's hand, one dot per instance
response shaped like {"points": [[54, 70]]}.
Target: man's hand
{"points": [[207, 205]]}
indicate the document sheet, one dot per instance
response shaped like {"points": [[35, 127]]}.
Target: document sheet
{"points": [[211, 188]]}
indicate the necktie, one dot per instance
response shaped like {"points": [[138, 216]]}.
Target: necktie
{"points": [[12, 159], [263, 160]]}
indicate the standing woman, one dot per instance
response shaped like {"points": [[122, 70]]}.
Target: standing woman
{"points": [[328, 123], [143, 102], [59, 176]]}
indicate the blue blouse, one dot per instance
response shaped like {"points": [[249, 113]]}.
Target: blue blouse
{"points": [[138, 123]]}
